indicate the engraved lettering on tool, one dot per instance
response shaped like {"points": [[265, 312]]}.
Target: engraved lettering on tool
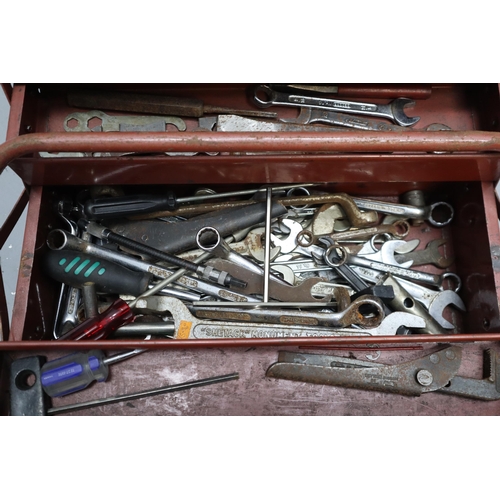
{"points": [[387, 208], [383, 380], [239, 332], [72, 302], [158, 272], [224, 315], [188, 281], [293, 320]]}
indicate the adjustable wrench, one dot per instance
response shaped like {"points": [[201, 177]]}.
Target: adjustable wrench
{"points": [[393, 111]]}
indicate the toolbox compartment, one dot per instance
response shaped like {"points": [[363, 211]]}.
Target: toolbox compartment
{"points": [[463, 178]]}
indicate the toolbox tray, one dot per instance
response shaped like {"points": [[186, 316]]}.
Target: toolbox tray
{"points": [[459, 166]]}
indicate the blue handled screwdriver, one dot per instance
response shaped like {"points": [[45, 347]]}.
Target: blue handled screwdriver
{"points": [[77, 371]]}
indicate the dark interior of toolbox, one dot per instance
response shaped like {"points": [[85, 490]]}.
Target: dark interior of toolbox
{"points": [[466, 237]]}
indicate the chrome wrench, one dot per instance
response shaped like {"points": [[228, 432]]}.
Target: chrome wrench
{"points": [[393, 111], [428, 278], [188, 326], [430, 213], [435, 301], [69, 297]]}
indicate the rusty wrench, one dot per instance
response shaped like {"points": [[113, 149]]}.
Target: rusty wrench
{"points": [[430, 255], [188, 326]]}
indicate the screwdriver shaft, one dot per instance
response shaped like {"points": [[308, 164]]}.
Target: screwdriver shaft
{"points": [[143, 394]]}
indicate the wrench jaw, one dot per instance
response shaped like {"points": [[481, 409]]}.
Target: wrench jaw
{"points": [[398, 111]]}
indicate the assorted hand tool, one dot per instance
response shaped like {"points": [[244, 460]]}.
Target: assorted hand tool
{"points": [[319, 250], [288, 261], [435, 372], [32, 399]]}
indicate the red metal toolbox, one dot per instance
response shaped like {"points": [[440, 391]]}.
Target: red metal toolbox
{"points": [[460, 166]]}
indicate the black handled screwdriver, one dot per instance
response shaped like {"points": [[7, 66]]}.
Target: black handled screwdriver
{"points": [[125, 206], [77, 269]]}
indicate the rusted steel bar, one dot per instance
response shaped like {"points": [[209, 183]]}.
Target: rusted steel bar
{"points": [[33, 345], [255, 142], [13, 217], [5, 231], [7, 89]]}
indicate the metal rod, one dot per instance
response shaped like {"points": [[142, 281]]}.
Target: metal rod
{"points": [[173, 277], [151, 142], [212, 303], [34, 345], [143, 394], [267, 248], [89, 296], [190, 199]]}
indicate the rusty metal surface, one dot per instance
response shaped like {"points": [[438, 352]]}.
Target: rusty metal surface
{"points": [[254, 394], [356, 170], [316, 142], [414, 377]]}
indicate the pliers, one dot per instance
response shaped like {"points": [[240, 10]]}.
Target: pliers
{"points": [[435, 372]]}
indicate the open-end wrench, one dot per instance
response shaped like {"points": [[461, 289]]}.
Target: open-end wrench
{"points": [[430, 255], [188, 326], [328, 117], [393, 111], [289, 243], [435, 301], [428, 278]]}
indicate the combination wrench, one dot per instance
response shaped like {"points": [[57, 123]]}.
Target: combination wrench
{"points": [[188, 326], [435, 301], [428, 278], [337, 120], [393, 111], [438, 214]]}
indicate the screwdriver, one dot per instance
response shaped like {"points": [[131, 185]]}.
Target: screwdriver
{"points": [[125, 206], [77, 371], [77, 270], [154, 104]]}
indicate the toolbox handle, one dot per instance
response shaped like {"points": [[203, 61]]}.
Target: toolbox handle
{"points": [[255, 142]]}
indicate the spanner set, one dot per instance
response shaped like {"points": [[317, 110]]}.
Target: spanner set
{"points": [[361, 245], [291, 261]]}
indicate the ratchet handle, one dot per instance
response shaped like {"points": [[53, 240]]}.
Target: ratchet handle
{"points": [[124, 206], [76, 269]]}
